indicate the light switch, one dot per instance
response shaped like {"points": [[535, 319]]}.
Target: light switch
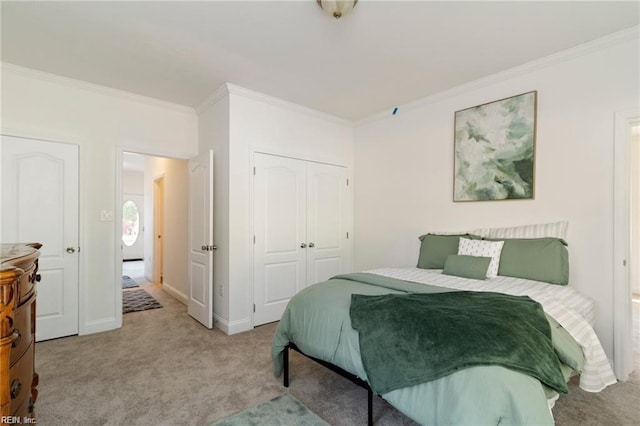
{"points": [[106, 216]]}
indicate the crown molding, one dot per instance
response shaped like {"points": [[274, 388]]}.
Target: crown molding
{"points": [[96, 88], [281, 103], [213, 98], [619, 37]]}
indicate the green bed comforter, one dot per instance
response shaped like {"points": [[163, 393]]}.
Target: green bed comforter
{"points": [[317, 320]]}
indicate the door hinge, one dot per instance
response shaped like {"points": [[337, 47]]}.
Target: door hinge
{"points": [[347, 235], [347, 182], [254, 308], [254, 171], [254, 239]]}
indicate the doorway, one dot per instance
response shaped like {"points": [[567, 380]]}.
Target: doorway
{"points": [[626, 249], [159, 192], [634, 264]]}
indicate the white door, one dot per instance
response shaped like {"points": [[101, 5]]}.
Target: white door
{"points": [[201, 246], [280, 234], [132, 227], [327, 253], [40, 204], [300, 225]]}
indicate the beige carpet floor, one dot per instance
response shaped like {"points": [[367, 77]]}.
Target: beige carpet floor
{"points": [[163, 368]]}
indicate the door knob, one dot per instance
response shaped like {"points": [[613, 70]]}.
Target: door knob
{"points": [[312, 245], [72, 249], [303, 245]]}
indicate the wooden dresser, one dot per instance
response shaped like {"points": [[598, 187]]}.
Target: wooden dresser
{"points": [[18, 379]]}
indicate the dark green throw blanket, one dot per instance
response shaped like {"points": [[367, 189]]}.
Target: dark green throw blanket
{"points": [[407, 339]]}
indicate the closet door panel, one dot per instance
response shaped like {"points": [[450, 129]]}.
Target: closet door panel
{"points": [[326, 221], [280, 229]]}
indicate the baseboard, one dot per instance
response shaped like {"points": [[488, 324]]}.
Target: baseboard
{"points": [[232, 327], [177, 294]]}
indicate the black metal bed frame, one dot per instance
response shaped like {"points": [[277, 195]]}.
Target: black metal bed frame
{"points": [[355, 379]]}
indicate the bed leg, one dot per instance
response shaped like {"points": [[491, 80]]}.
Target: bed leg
{"points": [[286, 367], [369, 407]]}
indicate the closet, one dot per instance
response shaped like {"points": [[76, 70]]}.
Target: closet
{"points": [[301, 230]]}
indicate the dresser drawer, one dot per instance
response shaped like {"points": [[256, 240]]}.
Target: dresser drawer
{"points": [[20, 378], [22, 324], [27, 283], [24, 410]]}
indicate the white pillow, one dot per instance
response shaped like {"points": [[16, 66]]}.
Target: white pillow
{"points": [[481, 248]]}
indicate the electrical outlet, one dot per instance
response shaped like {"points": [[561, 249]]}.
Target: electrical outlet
{"points": [[106, 216]]}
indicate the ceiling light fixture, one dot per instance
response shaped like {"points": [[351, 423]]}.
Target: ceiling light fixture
{"points": [[337, 8]]}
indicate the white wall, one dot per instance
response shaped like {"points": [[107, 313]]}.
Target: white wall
{"points": [[214, 134], [100, 121], [256, 122], [404, 165]]}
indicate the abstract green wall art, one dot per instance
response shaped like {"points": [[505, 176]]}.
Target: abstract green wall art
{"points": [[494, 155]]}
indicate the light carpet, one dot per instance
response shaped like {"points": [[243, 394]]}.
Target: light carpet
{"points": [[184, 373]]}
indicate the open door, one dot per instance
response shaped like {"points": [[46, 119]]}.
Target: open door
{"points": [[201, 246]]}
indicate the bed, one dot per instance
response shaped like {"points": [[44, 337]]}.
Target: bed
{"points": [[465, 388]]}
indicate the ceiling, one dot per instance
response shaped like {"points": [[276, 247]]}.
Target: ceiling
{"points": [[385, 54]]}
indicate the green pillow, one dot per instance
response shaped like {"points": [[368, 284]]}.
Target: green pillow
{"points": [[568, 350], [539, 259], [435, 248], [473, 267]]}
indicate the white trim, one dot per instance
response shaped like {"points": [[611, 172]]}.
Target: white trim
{"points": [[103, 90], [232, 327], [629, 34], [281, 103], [622, 337], [218, 94], [117, 229], [177, 294]]}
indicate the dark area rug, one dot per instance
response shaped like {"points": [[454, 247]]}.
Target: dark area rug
{"points": [[138, 300], [283, 410], [128, 282]]}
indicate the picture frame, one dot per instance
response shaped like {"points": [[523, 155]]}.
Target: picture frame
{"points": [[494, 150]]}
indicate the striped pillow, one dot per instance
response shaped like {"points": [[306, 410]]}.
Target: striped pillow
{"points": [[555, 229]]}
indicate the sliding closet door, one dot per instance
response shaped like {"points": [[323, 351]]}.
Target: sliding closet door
{"points": [[280, 234], [327, 218]]}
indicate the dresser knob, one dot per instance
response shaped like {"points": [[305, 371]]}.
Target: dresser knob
{"points": [[15, 388], [16, 338]]}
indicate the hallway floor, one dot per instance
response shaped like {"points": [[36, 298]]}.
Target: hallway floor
{"points": [[135, 270]]}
